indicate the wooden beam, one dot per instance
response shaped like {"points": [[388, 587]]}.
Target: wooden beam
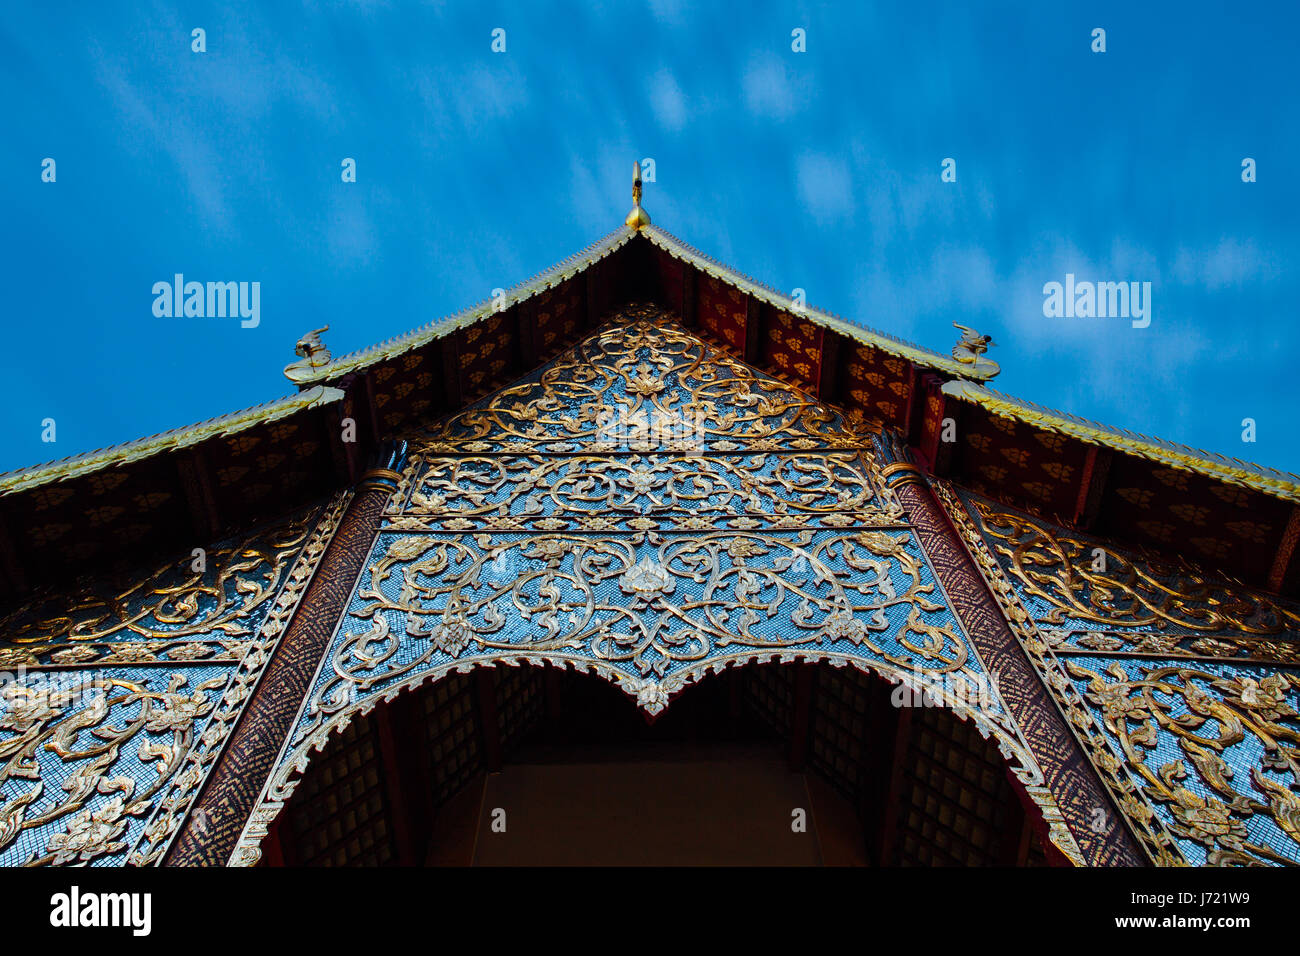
{"points": [[1285, 551], [690, 301], [273, 846], [1092, 485], [801, 720], [553, 688], [14, 581], [395, 787], [893, 798], [196, 481], [914, 416], [940, 455], [1014, 848], [371, 408], [593, 303], [753, 331], [452, 390], [485, 699], [346, 454], [526, 358], [878, 763], [828, 368]]}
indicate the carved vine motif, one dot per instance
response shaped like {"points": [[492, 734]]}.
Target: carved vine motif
{"points": [[1220, 723], [1200, 755], [645, 605], [175, 613], [88, 726], [1062, 570], [102, 753], [643, 385], [650, 510], [645, 492]]}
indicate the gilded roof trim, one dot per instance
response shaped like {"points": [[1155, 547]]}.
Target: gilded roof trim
{"points": [[439, 328], [1279, 484], [24, 478], [880, 340]]}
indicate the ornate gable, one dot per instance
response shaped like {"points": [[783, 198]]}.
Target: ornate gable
{"points": [[649, 509]]}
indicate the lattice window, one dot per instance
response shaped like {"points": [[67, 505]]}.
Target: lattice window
{"points": [[339, 814], [520, 693], [769, 695], [841, 728], [956, 803], [455, 745]]}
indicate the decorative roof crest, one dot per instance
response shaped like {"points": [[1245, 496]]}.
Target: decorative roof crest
{"points": [[638, 217], [970, 349], [314, 356]]}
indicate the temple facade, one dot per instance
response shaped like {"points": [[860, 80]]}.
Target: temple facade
{"points": [[649, 563]]}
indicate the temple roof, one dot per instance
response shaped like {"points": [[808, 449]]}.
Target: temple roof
{"points": [[200, 481], [171, 440], [1280, 484]]}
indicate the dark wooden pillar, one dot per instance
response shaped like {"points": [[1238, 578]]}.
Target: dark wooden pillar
{"points": [[236, 782], [887, 836], [396, 788], [801, 720], [1068, 774], [485, 697]]}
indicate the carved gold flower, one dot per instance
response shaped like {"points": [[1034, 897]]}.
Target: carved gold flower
{"points": [[644, 382], [741, 548], [90, 833], [16, 657], [841, 625], [1208, 820], [453, 636], [647, 581], [178, 712]]}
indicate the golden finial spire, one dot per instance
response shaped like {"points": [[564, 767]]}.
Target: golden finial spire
{"points": [[638, 217]]}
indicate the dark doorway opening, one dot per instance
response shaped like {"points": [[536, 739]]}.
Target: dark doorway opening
{"points": [[799, 764]]}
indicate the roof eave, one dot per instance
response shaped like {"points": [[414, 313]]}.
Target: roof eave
{"points": [[1278, 484], [64, 469]]}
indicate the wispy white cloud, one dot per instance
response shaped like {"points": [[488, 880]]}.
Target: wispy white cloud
{"points": [[825, 186], [771, 90], [666, 100]]}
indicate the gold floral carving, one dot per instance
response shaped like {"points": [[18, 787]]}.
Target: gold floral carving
{"points": [[1107, 641], [1206, 713], [1083, 581], [169, 615], [606, 396], [95, 723], [651, 510]]}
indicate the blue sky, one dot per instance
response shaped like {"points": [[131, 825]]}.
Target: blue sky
{"points": [[818, 170]]}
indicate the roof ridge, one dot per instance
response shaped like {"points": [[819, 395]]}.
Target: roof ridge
{"points": [[437, 328], [883, 340]]}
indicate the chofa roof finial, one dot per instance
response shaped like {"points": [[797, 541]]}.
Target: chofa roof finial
{"points": [[638, 217], [970, 350]]}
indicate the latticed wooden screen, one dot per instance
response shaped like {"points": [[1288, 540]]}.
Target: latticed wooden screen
{"points": [[340, 814], [956, 807], [453, 742], [520, 703]]}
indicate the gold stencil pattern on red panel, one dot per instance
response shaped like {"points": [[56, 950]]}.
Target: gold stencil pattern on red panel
{"points": [[1029, 467], [1168, 509], [879, 386], [722, 313], [558, 313], [792, 350]]}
